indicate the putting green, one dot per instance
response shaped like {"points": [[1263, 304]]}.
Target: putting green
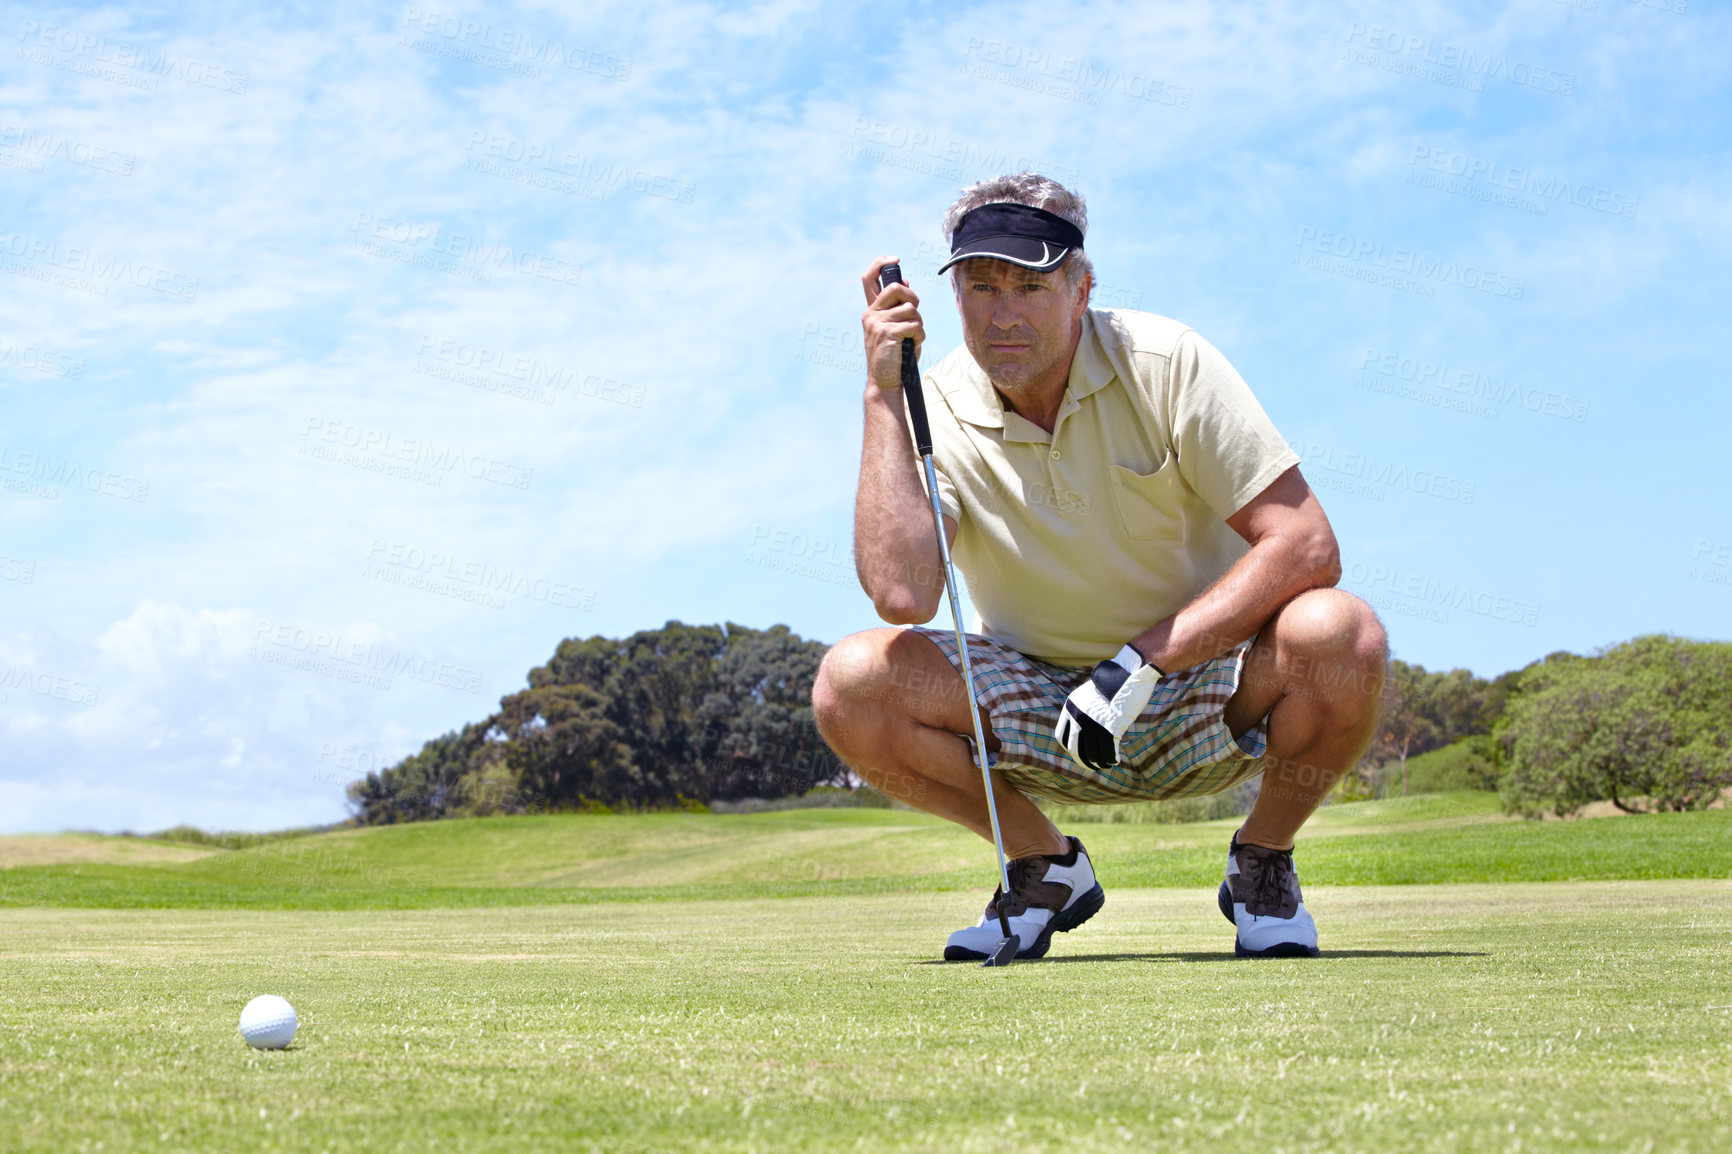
{"points": [[1587, 1015]]}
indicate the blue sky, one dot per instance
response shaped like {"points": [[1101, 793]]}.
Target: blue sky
{"points": [[348, 362]]}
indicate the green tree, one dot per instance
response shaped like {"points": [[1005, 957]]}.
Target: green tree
{"points": [[1407, 726], [421, 787], [562, 749], [759, 738], [1646, 725], [655, 687], [1422, 711], [682, 712]]}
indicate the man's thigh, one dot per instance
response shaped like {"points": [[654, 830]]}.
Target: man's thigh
{"points": [[1260, 685]]}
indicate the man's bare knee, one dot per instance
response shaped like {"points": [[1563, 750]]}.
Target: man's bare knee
{"points": [[1325, 618], [848, 679], [870, 683], [1331, 647], [1361, 656]]}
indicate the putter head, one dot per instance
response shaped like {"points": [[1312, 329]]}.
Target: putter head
{"points": [[1005, 953], [1010, 943]]}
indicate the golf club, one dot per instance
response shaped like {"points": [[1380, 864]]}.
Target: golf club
{"points": [[1006, 951]]}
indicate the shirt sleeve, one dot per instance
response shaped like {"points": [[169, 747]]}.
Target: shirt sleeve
{"points": [[947, 498], [1229, 450]]}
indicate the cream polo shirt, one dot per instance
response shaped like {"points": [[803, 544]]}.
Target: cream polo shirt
{"points": [[1075, 542]]}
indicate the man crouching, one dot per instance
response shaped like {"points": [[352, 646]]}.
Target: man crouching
{"points": [[1153, 580]]}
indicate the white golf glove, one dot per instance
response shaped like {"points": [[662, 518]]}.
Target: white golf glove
{"points": [[1099, 711]]}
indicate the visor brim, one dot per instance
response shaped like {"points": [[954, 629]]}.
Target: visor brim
{"points": [[1036, 255]]}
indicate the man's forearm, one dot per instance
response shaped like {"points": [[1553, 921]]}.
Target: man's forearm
{"points": [[1234, 608], [895, 552]]}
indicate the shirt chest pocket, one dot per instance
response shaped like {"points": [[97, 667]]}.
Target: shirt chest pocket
{"points": [[1151, 507]]}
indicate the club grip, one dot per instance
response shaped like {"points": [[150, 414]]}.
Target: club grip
{"points": [[892, 274]]}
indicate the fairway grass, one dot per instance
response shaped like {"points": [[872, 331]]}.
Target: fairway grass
{"points": [[1564, 1016], [564, 859]]}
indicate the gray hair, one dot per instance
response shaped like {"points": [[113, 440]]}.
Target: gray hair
{"points": [[1036, 191]]}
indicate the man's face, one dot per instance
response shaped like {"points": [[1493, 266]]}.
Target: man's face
{"points": [[1019, 324]]}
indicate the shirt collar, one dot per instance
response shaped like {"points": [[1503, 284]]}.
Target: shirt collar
{"points": [[973, 399]]}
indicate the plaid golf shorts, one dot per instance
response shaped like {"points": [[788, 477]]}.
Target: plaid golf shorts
{"points": [[1179, 747]]}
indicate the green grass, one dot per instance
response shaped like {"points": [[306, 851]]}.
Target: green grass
{"points": [[1577, 1016], [575, 859], [504, 984]]}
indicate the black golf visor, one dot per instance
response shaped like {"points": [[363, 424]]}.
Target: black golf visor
{"points": [[1031, 237]]}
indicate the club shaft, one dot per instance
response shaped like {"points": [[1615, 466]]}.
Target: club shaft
{"points": [[967, 677], [911, 392]]}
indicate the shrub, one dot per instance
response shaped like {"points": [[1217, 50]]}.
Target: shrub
{"points": [[1466, 764]]}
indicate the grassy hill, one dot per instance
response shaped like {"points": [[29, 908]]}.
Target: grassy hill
{"points": [[1456, 837]]}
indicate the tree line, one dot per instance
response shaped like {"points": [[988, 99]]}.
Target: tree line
{"points": [[687, 715], [675, 717], [1646, 725]]}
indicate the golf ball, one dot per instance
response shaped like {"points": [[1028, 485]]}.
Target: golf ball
{"points": [[268, 1023]]}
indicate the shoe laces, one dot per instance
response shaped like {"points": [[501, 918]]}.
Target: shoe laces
{"points": [[1025, 870], [1025, 874], [1275, 879], [1273, 882]]}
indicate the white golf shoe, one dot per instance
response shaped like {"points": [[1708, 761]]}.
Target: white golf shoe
{"points": [[1261, 898], [1050, 895]]}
